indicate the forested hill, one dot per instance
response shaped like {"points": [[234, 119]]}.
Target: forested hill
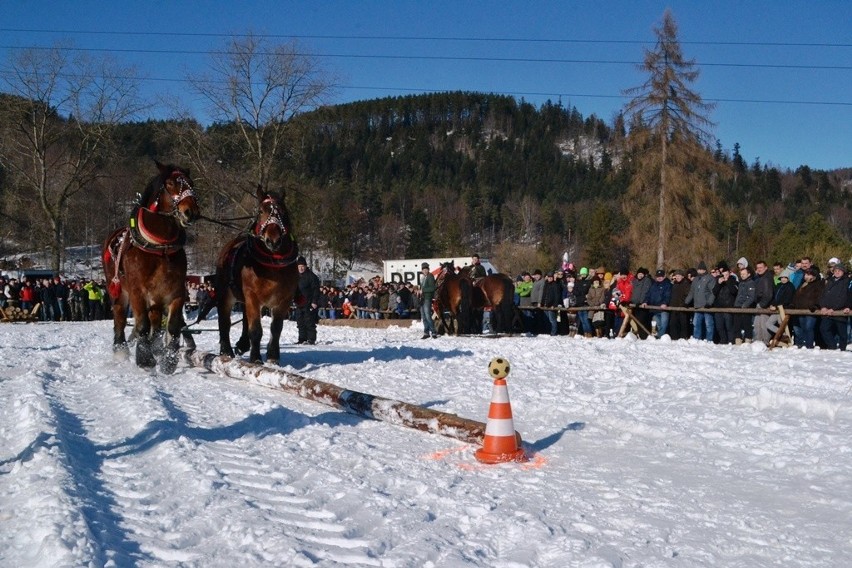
{"points": [[490, 145], [490, 171], [446, 174]]}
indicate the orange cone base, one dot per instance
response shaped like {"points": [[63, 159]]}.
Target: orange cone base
{"points": [[489, 458]]}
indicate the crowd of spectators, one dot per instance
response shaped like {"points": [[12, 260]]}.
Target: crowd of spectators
{"points": [[57, 299], [565, 301], [371, 299], [728, 297]]}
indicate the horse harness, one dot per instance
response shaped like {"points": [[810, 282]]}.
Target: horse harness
{"points": [[138, 235], [251, 245]]}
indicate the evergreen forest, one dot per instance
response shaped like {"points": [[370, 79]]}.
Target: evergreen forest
{"points": [[432, 175]]}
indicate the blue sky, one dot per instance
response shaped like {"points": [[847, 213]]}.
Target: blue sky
{"points": [[780, 72]]}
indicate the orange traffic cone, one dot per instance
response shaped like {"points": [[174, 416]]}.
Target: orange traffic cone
{"points": [[501, 443]]}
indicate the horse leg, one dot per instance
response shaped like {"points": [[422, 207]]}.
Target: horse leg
{"points": [[155, 319], [142, 329], [171, 340], [255, 332], [224, 305], [188, 340], [273, 348], [119, 322], [244, 342], [252, 330]]}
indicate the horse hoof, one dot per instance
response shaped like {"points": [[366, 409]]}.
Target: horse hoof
{"points": [[189, 342], [144, 356], [120, 352], [168, 363]]}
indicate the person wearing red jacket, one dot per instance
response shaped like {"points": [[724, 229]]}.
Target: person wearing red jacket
{"points": [[28, 295], [624, 285]]}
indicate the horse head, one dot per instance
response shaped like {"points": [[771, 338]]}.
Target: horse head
{"points": [[447, 269], [172, 193], [272, 225]]}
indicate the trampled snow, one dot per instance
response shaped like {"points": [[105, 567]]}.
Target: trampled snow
{"points": [[643, 453]]}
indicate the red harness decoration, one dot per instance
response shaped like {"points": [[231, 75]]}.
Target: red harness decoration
{"points": [[149, 242], [272, 259]]}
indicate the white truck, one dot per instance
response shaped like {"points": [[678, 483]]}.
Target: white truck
{"points": [[408, 270]]}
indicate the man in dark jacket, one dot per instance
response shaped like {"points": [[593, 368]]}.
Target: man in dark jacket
{"points": [[306, 316], [551, 298], [837, 297], [477, 271], [679, 324], [700, 297], [641, 284], [660, 294], [581, 288], [807, 297], [724, 294], [428, 288], [764, 294]]}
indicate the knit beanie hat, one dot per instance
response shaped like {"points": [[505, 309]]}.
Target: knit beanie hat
{"points": [[743, 261], [584, 271]]}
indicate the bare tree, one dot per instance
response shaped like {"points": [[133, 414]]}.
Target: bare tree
{"points": [[669, 139], [57, 127], [252, 91]]}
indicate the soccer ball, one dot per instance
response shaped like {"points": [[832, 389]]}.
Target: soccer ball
{"points": [[498, 368]]}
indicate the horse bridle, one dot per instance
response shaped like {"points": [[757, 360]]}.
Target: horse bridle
{"points": [[274, 218], [185, 192]]}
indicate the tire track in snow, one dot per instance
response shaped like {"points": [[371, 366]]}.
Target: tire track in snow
{"points": [[245, 452], [108, 540]]}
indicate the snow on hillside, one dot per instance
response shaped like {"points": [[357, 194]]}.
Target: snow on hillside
{"points": [[643, 453]]}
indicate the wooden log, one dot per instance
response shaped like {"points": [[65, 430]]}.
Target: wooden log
{"points": [[625, 323], [785, 319], [628, 313], [353, 402]]}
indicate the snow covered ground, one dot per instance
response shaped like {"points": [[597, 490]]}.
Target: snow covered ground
{"points": [[646, 454]]}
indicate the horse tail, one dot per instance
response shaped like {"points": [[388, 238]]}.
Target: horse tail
{"points": [[464, 311]]}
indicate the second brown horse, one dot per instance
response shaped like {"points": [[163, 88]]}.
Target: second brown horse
{"points": [[258, 268]]}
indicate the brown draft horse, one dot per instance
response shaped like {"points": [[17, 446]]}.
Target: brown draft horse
{"points": [[497, 292], [259, 269], [453, 294], [145, 265]]}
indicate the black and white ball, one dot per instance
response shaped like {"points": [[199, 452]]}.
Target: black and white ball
{"points": [[498, 368]]}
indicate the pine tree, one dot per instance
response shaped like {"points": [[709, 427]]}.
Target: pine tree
{"points": [[419, 236], [669, 193]]}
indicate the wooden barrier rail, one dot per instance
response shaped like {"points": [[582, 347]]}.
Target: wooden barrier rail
{"points": [[755, 311]]}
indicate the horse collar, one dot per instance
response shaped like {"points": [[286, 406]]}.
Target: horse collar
{"points": [[263, 256], [147, 241]]}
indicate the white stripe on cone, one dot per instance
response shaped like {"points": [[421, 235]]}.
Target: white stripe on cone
{"points": [[500, 427], [500, 394]]}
